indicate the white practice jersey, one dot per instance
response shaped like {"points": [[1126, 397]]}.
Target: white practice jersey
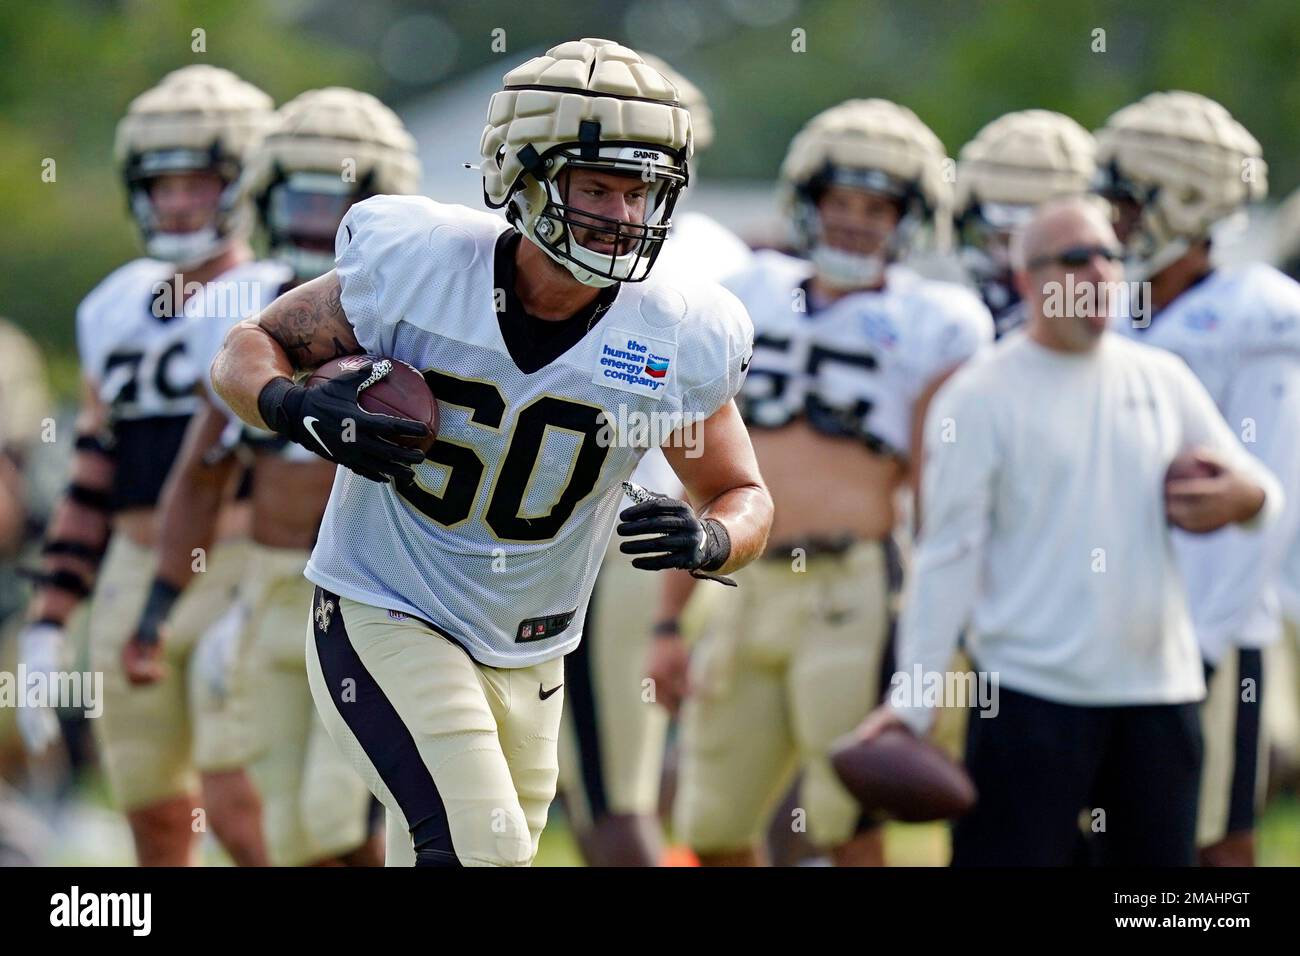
{"points": [[856, 367], [1238, 330], [238, 294], [137, 352], [704, 248], [498, 540]]}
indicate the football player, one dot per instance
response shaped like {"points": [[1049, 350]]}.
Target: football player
{"points": [[1176, 165], [326, 150], [848, 347], [180, 148], [612, 733], [1014, 163], [450, 583], [1282, 659]]}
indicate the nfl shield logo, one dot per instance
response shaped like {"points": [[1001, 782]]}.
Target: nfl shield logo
{"points": [[526, 631]]}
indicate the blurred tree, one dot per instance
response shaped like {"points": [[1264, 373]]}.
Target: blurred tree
{"points": [[71, 68]]}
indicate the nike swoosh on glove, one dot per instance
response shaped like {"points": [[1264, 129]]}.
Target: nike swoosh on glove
{"points": [[328, 420], [681, 538]]}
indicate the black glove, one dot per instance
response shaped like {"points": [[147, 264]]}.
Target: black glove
{"points": [[684, 540], [317, 418]]}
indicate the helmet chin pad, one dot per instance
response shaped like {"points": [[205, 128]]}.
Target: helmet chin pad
{"points": [[847, 270], [186, 250]]}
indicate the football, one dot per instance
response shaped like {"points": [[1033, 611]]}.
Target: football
{"points": [[899, 775], [402, 391]]}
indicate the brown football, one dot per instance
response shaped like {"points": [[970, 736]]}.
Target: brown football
{"points": [[402, 392], [899, 775]]}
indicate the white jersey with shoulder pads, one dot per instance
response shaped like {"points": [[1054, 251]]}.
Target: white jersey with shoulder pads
{"points": [[137, 350], [238, 294], [856, 367], [705, 248], [1238, 329], [498, 541], [139, 361]]}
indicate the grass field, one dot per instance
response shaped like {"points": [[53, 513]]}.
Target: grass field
{"points": [[88, 833]]}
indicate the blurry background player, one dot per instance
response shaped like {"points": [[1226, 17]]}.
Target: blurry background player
{"points": [[847, 349], [1014, 163], [1282, 659], [24, 407], [326, 150], [1175, 165], [180, 148], [24, 404], [613, 733]]}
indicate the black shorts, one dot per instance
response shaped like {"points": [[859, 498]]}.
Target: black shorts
{"points": [[1061, 784]]}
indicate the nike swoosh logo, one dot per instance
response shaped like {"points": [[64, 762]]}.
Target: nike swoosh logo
{"points": [[543, 694], [308, 424], [745, 364]]}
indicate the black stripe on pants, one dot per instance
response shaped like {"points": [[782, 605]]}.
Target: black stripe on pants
{"points": [[385, 739], [1245, 756], [580, 698]]}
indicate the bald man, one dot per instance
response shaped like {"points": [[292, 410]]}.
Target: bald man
{"points": [[1046, 539]]}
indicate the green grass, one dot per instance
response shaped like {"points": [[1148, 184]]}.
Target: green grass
{"points": [[96, 836]]}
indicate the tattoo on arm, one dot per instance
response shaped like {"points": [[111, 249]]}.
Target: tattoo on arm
{"points": [[309, 323]]}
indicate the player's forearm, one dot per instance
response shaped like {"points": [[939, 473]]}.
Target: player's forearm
{"points": [[12, 513], [75, 539], [249, 359], [301, 330], [746, 512], [191, 504]]}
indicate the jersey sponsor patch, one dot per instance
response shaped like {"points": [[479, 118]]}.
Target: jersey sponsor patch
{"points": [[634, 363]]}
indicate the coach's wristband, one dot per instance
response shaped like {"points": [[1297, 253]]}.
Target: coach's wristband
{"points": [[271, 399], [157, 606]]}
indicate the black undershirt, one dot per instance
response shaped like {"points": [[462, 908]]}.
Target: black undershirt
{"points": [[534, 343]]}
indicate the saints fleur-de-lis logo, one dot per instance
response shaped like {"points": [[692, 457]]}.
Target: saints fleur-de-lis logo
{"points": [[324, 611]]}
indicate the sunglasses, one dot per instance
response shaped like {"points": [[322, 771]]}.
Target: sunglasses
{"points": [[1077, 257]]}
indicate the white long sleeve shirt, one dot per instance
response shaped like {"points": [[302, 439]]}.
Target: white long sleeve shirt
{"points": [[1045, 525]]}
